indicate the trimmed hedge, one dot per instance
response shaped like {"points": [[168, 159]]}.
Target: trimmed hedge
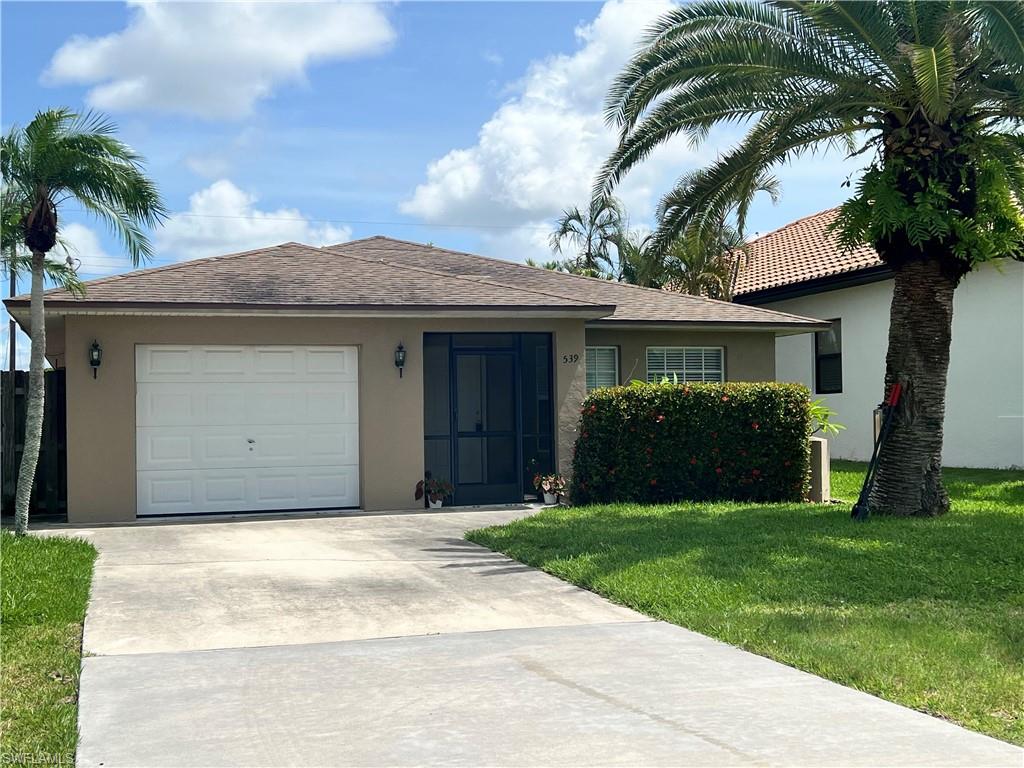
{"points": [[664, 442]]}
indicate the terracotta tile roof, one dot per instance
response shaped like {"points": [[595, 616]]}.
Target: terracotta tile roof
{"points": [[799, 252], [379, 273]]}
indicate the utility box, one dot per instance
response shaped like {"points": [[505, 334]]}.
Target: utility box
{"points": [[821, 477]]}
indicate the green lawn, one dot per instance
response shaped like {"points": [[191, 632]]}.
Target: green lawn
{"points": [[45, 586], [925, 612]]}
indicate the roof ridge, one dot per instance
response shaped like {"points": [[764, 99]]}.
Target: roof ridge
{"points": [[445, 275], [521, 265], [793, 223], [659, 291]]}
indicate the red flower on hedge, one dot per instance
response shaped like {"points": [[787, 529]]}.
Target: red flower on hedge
{"points": [[693, 459], [585, 434], [718, 470], [649, 450], [593, 408], [654, 481], [725, 398], [756, 473], [755, 425], [660, 418]]}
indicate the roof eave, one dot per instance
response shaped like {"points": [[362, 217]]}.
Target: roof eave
{"points": [[19, 310], [778, 327], [834, 282]]}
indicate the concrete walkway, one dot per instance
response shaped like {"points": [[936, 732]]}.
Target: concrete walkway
{"points": [[389, 640]]}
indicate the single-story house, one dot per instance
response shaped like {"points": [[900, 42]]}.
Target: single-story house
{"points": [[295, 377], [800, 269]]}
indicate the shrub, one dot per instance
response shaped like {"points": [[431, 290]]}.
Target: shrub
{"points": [[663, 442]]}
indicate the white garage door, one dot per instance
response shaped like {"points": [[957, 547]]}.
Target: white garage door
{"points": [[246, 428]]}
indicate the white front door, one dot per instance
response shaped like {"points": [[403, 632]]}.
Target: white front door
{"points": [[246, 428]]}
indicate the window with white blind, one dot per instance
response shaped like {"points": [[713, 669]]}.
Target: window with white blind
{"points": [[686, 364], [602, 367]]}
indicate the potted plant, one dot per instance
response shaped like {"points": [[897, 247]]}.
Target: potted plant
{"points": [[435, 490], [552, 486]]}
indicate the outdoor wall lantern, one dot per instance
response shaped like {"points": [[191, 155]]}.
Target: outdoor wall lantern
{"points": [[399, 358], [95, 357]]}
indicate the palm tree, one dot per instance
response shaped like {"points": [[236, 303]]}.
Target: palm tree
{"points": [[934, 91], [590, 232], [640, 261], [552, 265], [63, 156], [704, 262]]}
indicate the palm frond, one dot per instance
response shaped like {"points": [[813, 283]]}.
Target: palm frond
{"points": [[62, 154], [935, 74]]}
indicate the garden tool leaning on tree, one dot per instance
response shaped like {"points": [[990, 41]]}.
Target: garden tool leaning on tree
{"points": [[860, 509]]}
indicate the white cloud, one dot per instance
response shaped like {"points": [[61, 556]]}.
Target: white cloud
{"points": [[540, 150], [214, 59], [83, 245], [224, 219]]}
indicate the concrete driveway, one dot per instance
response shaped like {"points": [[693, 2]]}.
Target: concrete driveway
{"points": [[389, 640]]}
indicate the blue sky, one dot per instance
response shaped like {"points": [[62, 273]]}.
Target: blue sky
{"points": [[469, 125]]}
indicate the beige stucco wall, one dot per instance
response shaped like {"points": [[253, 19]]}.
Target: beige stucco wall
{"points": [[101, 412], [749, 356]]}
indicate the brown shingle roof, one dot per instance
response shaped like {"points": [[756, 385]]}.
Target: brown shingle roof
{"points": [[380, 272], [799, 252], [632, 303], [299, 275]]}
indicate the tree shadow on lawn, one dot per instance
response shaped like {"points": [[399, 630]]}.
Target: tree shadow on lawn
{"points": [[925, 612], [783, 553]]}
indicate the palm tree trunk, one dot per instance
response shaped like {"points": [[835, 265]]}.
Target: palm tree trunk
{"points": [[909, 479], [35, 397]]}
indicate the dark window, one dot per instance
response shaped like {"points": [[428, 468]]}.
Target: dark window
{"points": [[828, 360]]}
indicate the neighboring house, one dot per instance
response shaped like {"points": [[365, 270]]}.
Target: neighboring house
{"points": [[269, 380], [801, 269]]}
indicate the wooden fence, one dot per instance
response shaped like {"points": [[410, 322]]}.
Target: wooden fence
{"points": [[50, 494]]}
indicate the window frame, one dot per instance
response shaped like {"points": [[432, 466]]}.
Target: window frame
{"points": [[684, 348], [819, 356], [596, 347]]}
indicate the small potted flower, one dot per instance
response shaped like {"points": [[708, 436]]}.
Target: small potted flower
{"points": [[435, 490], [552, 486]]}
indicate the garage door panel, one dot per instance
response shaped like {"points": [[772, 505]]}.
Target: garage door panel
{"points": [[220, 447], [332, 485], [236, 428], [171, 363], [225, 490], [186, 492], [328, 362], [244, 403], [218, 362]]}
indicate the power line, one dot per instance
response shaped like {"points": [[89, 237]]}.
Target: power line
{"points": [[365, 222]]}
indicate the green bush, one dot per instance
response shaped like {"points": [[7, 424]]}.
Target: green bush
{"points": [[662, 442]]}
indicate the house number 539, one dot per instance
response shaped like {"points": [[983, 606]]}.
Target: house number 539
{"points": [[570, 359]]}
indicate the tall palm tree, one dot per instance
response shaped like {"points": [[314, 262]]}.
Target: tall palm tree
{"points": [[590, 233], [63, 156], [934, 91]]}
